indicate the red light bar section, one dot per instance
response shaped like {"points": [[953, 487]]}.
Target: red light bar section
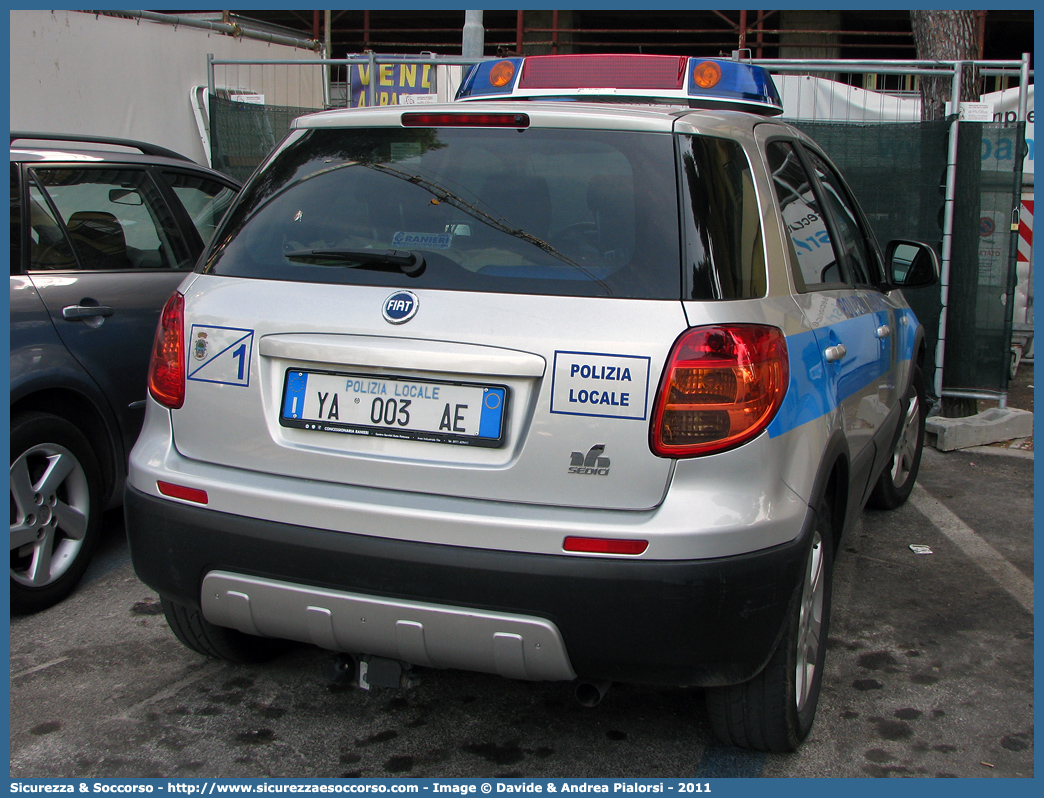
{"points": [[181, 492], [602, 71], [465, 120], [605, 545]]}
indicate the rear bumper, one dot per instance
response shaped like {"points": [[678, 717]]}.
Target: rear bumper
{"points": [[677, 622]]}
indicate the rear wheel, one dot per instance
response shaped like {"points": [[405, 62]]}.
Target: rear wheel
{"points": [[55, 509], [774, 710], [203, 637], [896, 482]]}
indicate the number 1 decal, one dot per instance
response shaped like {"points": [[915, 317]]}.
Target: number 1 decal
{"points": [[220, 354], [239, 354]]}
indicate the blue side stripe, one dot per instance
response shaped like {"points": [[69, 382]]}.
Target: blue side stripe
{"points": [[807, 396], [906, 332], [814, 389]]}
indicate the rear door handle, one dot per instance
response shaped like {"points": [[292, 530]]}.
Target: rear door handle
{"points": [[80, 312], [835, 353]]}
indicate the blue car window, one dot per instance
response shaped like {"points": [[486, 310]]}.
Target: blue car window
{"points": [[115, 219]]}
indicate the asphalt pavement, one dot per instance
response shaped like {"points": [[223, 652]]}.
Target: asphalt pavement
{"points": [[929, 673]]}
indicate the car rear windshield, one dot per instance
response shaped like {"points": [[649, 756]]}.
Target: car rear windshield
{"points": [[534, 211]]}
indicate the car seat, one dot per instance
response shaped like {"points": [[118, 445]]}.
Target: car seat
{"points": [[98, 239]]}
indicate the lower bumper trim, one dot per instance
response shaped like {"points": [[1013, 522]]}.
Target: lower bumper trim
{"points": [[420, 633]]}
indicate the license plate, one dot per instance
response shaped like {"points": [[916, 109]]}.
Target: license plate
{"points": [[394, 407]]}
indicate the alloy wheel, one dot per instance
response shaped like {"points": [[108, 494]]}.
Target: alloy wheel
{"points": [[50, 508]]}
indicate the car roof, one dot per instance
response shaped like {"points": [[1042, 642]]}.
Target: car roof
{"points": [[37, 148], [617, 115]]}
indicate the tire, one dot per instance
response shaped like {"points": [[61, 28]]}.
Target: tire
{"points": [[774, 710], [896, 482], [56, 495], [203, 637]]}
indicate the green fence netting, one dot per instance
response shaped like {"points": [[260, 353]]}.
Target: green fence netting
{"points": [[983, 275], [898, 173], [242, 134]]}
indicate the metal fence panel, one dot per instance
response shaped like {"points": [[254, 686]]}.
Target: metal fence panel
{"points": [[243, 134], [983, 277]]}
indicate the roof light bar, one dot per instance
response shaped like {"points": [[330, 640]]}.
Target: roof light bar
{"points": [[698, 82], [603, 71]]}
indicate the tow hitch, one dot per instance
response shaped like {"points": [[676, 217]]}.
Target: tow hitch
{"points": [[365, 671]]}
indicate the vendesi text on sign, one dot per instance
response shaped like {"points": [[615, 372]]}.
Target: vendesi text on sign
{"points": [[392, 80]]}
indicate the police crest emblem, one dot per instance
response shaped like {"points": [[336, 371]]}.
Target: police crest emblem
{"points": [[199, 348]]}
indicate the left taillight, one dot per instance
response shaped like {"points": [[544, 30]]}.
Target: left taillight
{"points": [[167, 367], [721, 387]]}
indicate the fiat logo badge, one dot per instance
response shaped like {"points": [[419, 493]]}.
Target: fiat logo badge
{"points": [[400, 307]]}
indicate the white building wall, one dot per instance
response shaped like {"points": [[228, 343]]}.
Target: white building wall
{"points": [[74, 72]]}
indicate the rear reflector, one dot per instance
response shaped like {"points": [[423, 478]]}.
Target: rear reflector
{"points": [[465, 120], [721, 387], [598, 71], [605, 545], [181, 492]]}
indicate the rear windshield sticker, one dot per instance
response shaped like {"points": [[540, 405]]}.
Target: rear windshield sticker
{"points": [[422, 240], [220, 354], [594, 384]]}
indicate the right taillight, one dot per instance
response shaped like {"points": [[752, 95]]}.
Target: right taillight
{"points": [[721, 387], [167, 367]]}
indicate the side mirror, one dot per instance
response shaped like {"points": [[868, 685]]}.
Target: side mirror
{"points": [[911, 264]]}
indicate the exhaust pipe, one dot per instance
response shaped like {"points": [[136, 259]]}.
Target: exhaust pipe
{"points": [[590, 694]]}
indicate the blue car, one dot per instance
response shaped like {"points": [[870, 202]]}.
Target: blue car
{"points": [[102, 232]]}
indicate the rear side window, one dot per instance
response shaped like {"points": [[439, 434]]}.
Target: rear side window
{"points": [[812, 251], [853, 240], [724, 251], [115, 219], [49, 249], [204, 200], [567, 212]]}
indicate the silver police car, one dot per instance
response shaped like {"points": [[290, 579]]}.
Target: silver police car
{"points": [[582, 377]]}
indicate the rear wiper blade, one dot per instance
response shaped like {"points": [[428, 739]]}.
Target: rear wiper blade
{"points": [[405, 261], [443, 194]]}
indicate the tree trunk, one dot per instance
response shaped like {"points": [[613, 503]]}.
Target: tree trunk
{"points": [[945, 36], [950, 36]]}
